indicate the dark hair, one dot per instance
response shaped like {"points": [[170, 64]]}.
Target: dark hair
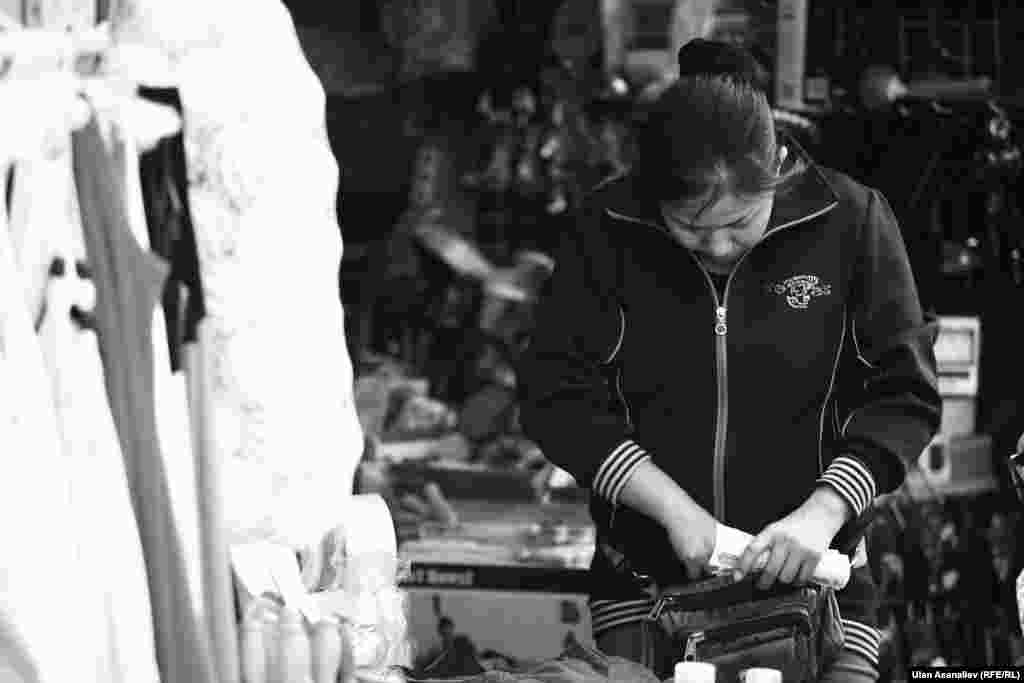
{"points": [[712, 131], [701, 57]]}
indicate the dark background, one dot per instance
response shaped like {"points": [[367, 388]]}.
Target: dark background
{"points": [[376, 121]]}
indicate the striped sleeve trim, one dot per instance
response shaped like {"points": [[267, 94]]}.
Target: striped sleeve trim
{"points": [[852, 480], [862, 639], [608, 614], [616, 470]]}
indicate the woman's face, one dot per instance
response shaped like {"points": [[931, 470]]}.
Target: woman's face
{"points": [[720, 233]]}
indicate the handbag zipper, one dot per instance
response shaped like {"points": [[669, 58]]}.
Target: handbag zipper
{"points": [[737, 630], [777, 608], [692, 641]]}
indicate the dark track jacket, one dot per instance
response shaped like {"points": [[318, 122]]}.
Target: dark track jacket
{"points": [[814, 368]]}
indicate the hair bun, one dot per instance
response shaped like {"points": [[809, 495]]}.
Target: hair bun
{"points": [[703, 57]]}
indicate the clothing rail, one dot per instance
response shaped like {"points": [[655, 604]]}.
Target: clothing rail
{"points": [[19, 44], [30, 52]]}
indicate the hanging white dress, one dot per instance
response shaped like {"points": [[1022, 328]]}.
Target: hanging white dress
{"points": [[41, 579], [112, 630], [121, 618], [263, 186]]}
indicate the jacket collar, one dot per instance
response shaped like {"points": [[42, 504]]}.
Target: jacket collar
{"points": [[811, 196]]}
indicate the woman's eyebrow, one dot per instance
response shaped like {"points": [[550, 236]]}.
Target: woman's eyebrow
{"points": [[719, 226]]}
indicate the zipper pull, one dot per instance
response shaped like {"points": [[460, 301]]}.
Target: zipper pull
{"points": [[720, 327], [656, 611], [692, 641]]}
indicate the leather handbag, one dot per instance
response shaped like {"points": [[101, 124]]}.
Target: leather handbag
{"points": [[735, 626]]}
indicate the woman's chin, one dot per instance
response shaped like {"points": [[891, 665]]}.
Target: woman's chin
{"points": [[718, 266]]}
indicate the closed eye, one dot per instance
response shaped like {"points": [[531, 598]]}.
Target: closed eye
{"points": [[690, 227]]}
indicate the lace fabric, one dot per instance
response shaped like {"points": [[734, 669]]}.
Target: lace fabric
{"points": [[262, 192]]}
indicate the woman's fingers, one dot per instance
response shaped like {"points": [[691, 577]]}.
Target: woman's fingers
{"points": [[792, 568], [777, 558]]}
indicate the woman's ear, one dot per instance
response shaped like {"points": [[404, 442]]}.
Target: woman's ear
{"points": [[783, 155]]}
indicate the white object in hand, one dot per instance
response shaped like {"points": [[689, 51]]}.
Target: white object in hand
{"points": [[833, 569], [694, 672]]}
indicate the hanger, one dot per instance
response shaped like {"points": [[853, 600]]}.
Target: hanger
{"points": [[8, 23], [98, 76]]}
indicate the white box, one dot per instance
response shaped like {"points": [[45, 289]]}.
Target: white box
{"points": [[958, 355], [959, 416]]}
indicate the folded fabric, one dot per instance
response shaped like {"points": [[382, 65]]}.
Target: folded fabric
{"points": [[577, 664]]}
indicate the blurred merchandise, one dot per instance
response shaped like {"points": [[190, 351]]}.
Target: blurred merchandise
{"points": [[946, 566], [509, 579]]}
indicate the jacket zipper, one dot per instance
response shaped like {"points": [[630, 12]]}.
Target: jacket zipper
{"points": [[722, 415], [721, 329]]}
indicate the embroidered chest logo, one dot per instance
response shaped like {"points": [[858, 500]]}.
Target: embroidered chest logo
{"points": [[800, 289]]}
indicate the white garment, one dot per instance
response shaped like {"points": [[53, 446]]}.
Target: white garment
{"points": [[262, 192], [40, 581], [74, 602], [122, 637], [38, 113], [114, 623]]}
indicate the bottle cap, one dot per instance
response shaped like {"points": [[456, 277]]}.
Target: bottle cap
{"points": [[695, 672], [760, 675]]}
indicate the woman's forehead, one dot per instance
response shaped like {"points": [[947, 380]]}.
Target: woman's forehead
{"points": [[725, 209]]}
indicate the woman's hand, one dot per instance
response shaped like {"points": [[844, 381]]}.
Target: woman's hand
{"points": [[691, 530], [692, 534], [793, 546]]}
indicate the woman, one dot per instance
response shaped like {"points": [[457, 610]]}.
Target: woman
{"points": [[733, 335]]}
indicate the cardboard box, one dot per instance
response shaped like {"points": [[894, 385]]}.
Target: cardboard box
{"points": [[516, 612]]}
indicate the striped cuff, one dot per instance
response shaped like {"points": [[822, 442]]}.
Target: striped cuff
{"points": [[862, 639], [608, 614], [616, 470], [852, 480]]}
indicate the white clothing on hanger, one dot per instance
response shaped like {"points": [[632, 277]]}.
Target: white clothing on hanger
{"points": [[263, 186], [40, 581], [113, 624], [37, 115], [120, 621]]}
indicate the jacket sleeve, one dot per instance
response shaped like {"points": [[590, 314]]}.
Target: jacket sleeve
{"points": [[570, 405], [898, 410]]}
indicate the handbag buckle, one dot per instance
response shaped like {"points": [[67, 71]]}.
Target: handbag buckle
{"points": [[656, 610], [690, 649]]}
